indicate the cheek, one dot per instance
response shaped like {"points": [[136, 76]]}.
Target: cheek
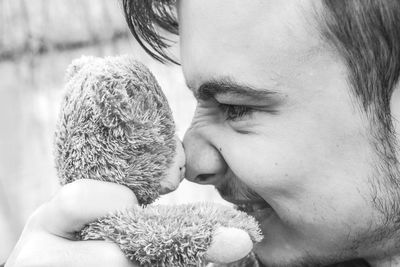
{"points": [[294, 148], [308, 167], [315, 188], [265, 164]]}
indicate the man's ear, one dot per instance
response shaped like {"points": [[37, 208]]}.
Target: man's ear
{"points": [[77, 65]]}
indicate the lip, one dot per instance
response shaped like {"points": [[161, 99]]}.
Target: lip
{"points": [[249, 206], [259, 209]]}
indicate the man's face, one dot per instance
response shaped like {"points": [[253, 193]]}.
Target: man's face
{"points": [[276, 121]]}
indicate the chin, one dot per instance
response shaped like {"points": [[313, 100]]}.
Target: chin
{"points": [[281, 246], [276, 248], [286, 246], [276, 255]]}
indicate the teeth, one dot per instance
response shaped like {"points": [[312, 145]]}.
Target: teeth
{"points": [[246, 207], [259, 206], [251, 207]]}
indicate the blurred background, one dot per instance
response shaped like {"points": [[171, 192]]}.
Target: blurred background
{"points": [[38, 40]]}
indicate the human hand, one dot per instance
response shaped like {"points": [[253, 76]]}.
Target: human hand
{"points": [[48, 238]]}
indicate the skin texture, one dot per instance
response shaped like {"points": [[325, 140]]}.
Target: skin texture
{"points": [[305, 148]]}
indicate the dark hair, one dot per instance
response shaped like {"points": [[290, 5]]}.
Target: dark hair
{"points": [[143, 18], [366, 34]]}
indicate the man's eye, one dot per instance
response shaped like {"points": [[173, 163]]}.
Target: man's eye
{"points": [[234, 112]]}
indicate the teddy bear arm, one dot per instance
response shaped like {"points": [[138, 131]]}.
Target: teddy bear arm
{"points": [[182, 235]]}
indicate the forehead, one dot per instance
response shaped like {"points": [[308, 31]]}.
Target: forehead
{"points": [[242, 38]]}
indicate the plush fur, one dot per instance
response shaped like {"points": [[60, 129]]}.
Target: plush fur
{"points": [[115, 125], [173, 235]]}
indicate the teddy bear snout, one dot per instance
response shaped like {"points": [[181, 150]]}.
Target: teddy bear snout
{"points": [[176, 171]]}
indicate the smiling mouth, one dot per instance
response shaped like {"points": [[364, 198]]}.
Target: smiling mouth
{"points": [[250, 206]]}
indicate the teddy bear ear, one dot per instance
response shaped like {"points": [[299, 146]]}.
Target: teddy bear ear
{"points": [[76, 65]]}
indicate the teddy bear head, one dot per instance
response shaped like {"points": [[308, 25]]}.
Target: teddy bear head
{"points": [[115, 125]]}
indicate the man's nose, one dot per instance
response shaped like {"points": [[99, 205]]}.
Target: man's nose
{"points": [[204, 163]]}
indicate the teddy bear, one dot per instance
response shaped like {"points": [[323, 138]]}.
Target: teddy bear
{"points": [[115, 125]]}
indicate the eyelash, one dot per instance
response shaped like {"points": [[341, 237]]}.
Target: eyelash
{"points": [[234, 112]]}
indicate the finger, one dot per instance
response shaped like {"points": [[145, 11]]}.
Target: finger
{"points": [[79, 203], [65, 253], [229, 245]]}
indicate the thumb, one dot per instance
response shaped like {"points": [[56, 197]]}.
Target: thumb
{"points": [[228, 245]]}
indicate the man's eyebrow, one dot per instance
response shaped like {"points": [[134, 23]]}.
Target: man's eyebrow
{"points": [[212, 88]]}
